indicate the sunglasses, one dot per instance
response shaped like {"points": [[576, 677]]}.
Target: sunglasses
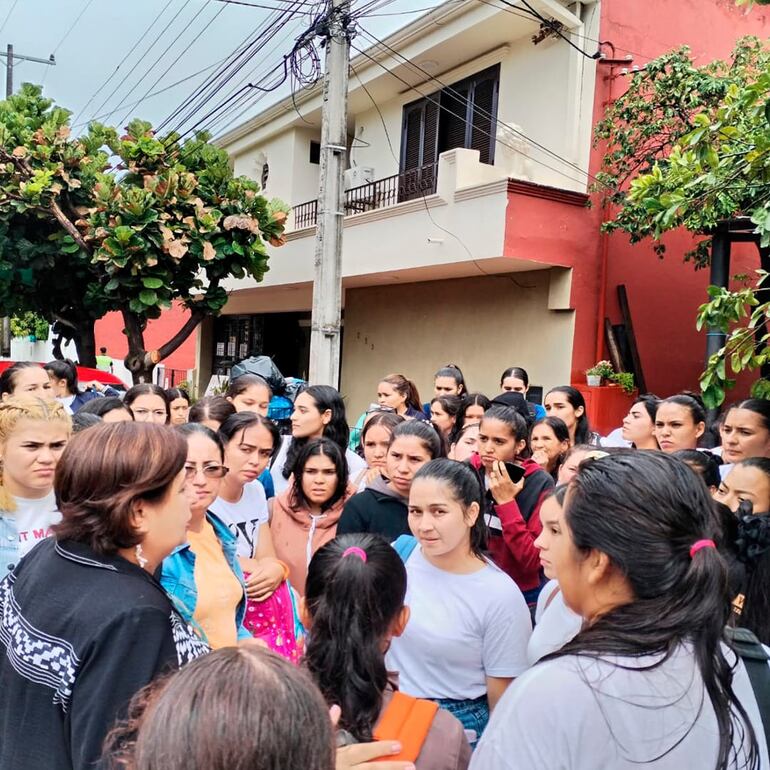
{"points": [[209, 471]]}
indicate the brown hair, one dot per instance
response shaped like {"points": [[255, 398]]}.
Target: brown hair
{"points": [[104, 471], [216, 408], [17, 408], [237, 707], [406, 388]]}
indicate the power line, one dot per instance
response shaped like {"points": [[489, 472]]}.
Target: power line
{"points": [[8, 16], [72, 26], [477, 110], [122, 62]]}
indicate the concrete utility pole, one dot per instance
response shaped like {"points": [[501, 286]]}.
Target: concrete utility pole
{"points": [[327, 284]]}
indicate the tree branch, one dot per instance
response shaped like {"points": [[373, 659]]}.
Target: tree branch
{"points": [[189, 326]]}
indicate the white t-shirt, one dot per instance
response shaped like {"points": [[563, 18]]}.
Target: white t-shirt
{"points": [[245, 517], [356, 464], [555, 624], [574, 713], [462, 628], [34, 519]]}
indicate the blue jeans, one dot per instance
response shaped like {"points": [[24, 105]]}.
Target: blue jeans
{"points": [[472, 713]]}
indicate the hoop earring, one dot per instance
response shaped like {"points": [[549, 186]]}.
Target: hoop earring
{"points": [[140, 556]]}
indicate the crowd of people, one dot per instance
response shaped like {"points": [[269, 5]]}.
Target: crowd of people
{"points": [[477, 581]]}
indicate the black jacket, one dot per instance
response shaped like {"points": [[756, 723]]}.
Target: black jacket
{"points": [[375, 512], [80, 635]]}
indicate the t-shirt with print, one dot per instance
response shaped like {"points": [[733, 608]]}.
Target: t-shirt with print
{"points": [[462, 628], [34, 519], [245, 517]]}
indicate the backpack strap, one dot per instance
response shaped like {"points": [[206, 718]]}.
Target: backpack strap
{"points": [[754, 657], [407, 720], [404, 546]]}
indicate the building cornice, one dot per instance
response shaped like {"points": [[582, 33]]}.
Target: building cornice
{"points": [[556, 194]]}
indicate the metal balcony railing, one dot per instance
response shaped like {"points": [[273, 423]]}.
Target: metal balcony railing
{"points": [[412, 184]]}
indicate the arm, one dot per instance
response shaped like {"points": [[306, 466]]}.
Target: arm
{"points": [[496, 686], [519, 535], [266, 572], [125, 657]]}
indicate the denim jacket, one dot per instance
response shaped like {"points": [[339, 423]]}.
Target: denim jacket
{"points": [[178, 575]]}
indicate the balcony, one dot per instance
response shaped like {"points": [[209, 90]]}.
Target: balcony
{"points": [[399, 188]]}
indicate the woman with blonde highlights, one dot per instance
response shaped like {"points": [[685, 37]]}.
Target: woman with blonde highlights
{"points": [[33, 434]]}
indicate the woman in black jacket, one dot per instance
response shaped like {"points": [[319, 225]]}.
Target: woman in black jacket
{"points": [[85, 624]]}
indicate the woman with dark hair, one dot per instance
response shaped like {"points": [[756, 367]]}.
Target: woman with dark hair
{"points": [[238, 707], [211, 411], [576, 455], [568, 404], [745, 430], [471, 411], [319, 411], [203, 576], [381, 507], [375, 440], [679, 422], [449, 381], [26, 378], [466, 443], [639, 423], [549, 442], [178, 405], [148, 403], [648, 678], [469, 625], [555, 623], [443, 414], [354, 607], [65, 387], [250, 393], [401, 395], [516, 380], [305, 516], [747, 481], [85, 624], [705, 464], [250, 441], [511, 507], [108, 409]]}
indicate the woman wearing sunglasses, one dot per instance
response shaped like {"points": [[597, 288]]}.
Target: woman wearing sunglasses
{"points": [[203, 577]]}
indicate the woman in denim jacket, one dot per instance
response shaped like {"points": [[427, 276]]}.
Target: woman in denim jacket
{"points": [[203, 577]]}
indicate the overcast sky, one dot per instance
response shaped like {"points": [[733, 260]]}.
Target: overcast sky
{"points": [[107, 30]]}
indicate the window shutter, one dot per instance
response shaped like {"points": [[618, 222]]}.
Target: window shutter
{"points": [[484, 114], [411, 140], [454, 112]]}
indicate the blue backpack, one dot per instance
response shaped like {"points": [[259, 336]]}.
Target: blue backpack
{"points": [[404, 545]]}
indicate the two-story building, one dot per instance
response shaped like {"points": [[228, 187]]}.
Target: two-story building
{"points": [[466, 234]]}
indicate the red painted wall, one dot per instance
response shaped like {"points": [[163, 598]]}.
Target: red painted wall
{"points": [[664, 294], [109, 333]]}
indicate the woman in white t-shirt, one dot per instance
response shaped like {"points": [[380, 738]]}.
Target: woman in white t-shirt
{"points": [[250, 442], [648, 682], [33, 434], [319, 412], [467, 637], [555, 623]]}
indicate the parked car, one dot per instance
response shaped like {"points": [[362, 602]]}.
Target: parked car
{"points": [[86, 374]]}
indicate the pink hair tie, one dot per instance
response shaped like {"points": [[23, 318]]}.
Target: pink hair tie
{"points": [[354, 550], [700, 544]]}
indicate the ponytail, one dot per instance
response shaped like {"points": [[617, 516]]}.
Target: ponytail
{"points": [[406, 388], [355, 589]]}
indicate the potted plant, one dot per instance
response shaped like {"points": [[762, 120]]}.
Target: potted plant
{"points": [[602, 370], [625, 380], [29, 325]]}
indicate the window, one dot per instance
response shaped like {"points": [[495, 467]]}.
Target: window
{"points": [[461, 115], [315, 152]]}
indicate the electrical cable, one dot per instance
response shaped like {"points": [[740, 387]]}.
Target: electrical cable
{"points": [[8, 15]]}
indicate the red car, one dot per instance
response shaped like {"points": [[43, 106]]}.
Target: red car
{"points": [[85, 374]]}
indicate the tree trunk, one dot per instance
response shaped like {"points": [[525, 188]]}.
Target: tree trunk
{"points": [[85, 343]]}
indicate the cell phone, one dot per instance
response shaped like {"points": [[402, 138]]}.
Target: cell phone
{"points": [[516, 472]]}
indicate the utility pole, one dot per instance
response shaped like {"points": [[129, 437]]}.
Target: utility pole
{"points": [[326, 322], [5, 323]]}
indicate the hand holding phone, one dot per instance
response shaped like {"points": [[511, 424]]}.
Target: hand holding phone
{"points": [[506, 480]]}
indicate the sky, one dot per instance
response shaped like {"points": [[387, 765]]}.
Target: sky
{"points": [[111, 57]]}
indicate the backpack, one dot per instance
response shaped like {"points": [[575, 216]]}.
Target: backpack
{"points": [[755, 658], [404, 545], [407, 720]]}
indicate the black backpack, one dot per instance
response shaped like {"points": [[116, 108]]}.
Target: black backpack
{"points": [[755, 658]]}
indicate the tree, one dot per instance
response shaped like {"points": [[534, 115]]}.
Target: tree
{"points": [[132, 223], [692, 150]]}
